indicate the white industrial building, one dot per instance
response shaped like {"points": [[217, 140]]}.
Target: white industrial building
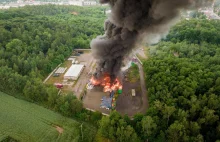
{"points": [[74, 72]]}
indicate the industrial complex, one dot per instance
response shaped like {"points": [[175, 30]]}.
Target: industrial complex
{"points": [[75, 76]]}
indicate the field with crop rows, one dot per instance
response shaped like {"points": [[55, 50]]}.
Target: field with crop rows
{"points": [[28, 122]]}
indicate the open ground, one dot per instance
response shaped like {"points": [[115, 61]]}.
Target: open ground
{"points": [[24, 121], [128, 104], [92, 99]]}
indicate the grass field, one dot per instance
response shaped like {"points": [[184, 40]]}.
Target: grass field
{"points": [[28, 122]]}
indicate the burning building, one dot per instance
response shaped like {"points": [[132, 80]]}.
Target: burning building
{"points": [[106, 82]]}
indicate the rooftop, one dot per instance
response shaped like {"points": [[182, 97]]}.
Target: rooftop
{"points": [[74, 70]]}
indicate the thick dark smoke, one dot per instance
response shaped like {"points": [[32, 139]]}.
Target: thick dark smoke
{"points": [[133, 22]]}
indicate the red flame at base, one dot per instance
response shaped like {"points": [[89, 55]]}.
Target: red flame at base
{"points": [[106, 83]]}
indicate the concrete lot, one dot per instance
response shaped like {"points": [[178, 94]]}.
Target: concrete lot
{"points": [[128, 104], [125, 103], [92, 100], [89, 62]]}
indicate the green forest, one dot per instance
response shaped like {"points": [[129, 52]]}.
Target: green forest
{"points": [[183, 80], [182, 73], [34, 40]]}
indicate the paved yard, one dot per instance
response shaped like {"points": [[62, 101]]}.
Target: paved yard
{"points": [[86, 59], [127, 104], [92, 100]]}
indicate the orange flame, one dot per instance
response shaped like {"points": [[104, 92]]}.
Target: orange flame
{"points": [[94, 81], [106, 83]]}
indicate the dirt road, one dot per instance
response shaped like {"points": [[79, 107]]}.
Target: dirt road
{"points": [[142, 80], [88, 61], [126, 104], [145, 104]]}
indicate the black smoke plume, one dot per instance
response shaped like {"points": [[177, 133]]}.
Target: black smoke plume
{"points": [[133, 22]]}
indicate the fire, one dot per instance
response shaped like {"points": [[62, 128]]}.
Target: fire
{"points": [[94, 81], [106, 83]]}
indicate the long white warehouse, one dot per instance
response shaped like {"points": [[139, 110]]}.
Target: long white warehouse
{"points": [[74, 72]]}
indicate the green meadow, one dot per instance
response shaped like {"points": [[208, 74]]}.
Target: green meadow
{"points": [[28, 122]]}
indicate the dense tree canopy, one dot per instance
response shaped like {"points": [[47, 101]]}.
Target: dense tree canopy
{"points": [[117, 129], [34, 40], [183, 82], [196, 31]]}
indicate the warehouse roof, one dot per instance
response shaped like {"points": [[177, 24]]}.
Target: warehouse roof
{"points": [[74, 70]]}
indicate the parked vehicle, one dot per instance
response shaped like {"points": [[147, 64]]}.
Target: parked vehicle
{"points": [[58, 85], [56, 75]]}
